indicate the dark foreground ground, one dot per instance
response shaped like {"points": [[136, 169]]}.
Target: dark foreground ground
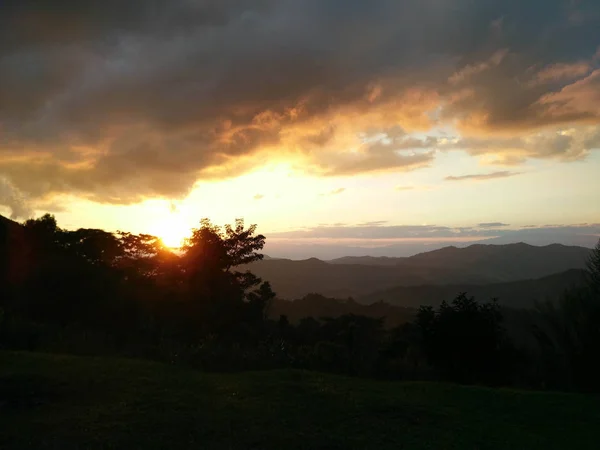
{"points": [[64, 402]]}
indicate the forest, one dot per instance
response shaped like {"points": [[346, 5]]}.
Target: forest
{"points": [[92, 292]]}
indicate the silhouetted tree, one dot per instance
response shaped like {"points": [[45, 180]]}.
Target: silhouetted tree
{"points": [[569, 336], [465, 340], [222, 298], [593, 268]]}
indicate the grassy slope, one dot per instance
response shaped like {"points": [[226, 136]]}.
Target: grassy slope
{"points": [[50, 401]]}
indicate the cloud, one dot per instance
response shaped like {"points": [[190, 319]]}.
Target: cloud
{"points": [[492, 225], [414, 188], [51, 207], [470, 70], [559, 71], [502, 233], [407, 241], [334, 192], [482, 176], [117, 103], [9, 196], [564, 144], [376, 231], [405, 188], [258, 197], [376, 223], [579, 100]]}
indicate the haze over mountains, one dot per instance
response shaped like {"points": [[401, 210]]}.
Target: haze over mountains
{"points": [[486, 270], [393, 242]]}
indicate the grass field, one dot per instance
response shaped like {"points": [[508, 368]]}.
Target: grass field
{"points": [[64, 402]]}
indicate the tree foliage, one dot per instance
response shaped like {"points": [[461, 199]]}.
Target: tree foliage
{"points": [[569, 335], [593, 268], [465, 340]]}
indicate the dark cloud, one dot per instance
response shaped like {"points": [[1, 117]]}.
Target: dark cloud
{"points": [[118, 101], [482, 176], [493, 225]]}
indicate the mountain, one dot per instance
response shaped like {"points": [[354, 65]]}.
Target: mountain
{"points": [[299, 250], [295, 279], [474, 265], [399, 305], [498, 263], [367, 260], [546, 236], [515, 294]]}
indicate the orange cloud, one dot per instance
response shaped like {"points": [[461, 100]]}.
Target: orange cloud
{"points": [[562, 71], [576, 101]]}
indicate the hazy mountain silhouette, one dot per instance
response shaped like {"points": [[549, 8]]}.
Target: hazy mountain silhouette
{"points": [[368, 260], [474, 265], [514, 294], [295, 279], [545, 236]]}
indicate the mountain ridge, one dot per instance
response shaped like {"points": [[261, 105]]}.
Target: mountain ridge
{"points": [[478, 264], [513, 294]]}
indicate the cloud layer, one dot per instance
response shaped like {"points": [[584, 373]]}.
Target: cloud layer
{"points": [[482, 176], [121, 101], [501, 232]]}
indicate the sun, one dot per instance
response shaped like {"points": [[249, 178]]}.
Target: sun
{"points": [[172, 231]]}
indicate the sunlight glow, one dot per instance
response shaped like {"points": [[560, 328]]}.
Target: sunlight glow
{"points": [[172, 231]]}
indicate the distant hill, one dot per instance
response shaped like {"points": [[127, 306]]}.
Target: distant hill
{"points": [[474, 265], [514, 294], [318, 306], [399, 305], [295, 279]]}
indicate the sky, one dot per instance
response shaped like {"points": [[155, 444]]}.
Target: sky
{"points": [[337, 122]]}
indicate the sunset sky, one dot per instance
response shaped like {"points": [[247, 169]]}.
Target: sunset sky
{"points": [[319, 119]]}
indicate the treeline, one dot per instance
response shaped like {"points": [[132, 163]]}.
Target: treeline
{"points": [[93, 292], [316, 305]]}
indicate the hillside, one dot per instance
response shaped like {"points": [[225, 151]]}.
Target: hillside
{"points": [[473, 265], [50, 401], [367, 260], [514, 294], [503, 262], [295, 279]]}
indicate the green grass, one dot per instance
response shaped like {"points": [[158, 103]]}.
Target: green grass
{"points": [[64, 402]]}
